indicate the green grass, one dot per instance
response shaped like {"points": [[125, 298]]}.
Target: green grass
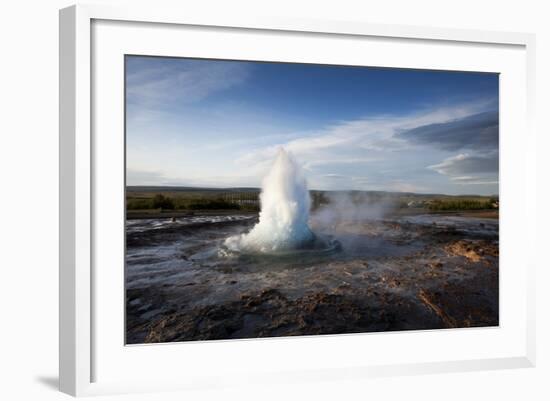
{"points": [[192, 200], [461, 204], [247, 199]]}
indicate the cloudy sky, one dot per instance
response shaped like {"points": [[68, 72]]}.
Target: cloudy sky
{"points": [[219, 124]]}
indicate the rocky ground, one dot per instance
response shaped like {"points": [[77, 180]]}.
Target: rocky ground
{"points": [[422, 272]]}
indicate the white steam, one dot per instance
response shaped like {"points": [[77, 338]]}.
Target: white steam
{"points": [[283, 222], [349, 208]]}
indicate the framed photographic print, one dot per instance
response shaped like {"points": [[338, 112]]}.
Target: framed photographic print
{"points": [[271, 200]]}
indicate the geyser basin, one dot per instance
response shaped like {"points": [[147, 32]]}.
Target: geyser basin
{"points": [[283, 221], [319, 246]]}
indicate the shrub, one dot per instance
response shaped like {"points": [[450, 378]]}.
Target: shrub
{"points": [[162, 202], [139, 204], [460, 204], [213, 204]]}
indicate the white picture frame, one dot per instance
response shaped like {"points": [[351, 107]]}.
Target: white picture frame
{"points": [[79, 212]]}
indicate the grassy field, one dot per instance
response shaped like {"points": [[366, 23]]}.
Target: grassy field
{"points": [[173, 201], [189, 199]]}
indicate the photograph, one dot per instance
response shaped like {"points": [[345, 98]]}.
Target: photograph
{"points": [[274, 199]]}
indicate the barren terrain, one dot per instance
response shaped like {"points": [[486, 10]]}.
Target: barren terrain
{"points": [[402, 272]]}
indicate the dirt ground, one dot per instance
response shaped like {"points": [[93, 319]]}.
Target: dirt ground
{"points": [[397, 273]]}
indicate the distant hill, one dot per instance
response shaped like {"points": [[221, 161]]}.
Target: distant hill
{"points": [[140, 188], [172, 189]]}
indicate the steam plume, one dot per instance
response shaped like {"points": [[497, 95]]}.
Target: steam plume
{"points": [[285, 203]]}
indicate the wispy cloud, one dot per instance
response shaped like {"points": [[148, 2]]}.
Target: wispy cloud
{"points": [[468, 169], [344, 154], [470, 180], [477, 131], [146, 177], [362, 140], [401, 186], [180, 81], [156, 177], [465, 163], [220, 123]]}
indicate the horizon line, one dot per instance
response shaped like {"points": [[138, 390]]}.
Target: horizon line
{"points": [[318, 190]]}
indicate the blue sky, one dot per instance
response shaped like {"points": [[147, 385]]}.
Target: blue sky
{"points": [[212, 123]]}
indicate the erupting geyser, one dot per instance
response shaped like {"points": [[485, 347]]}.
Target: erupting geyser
{"points": [[283, 222]]}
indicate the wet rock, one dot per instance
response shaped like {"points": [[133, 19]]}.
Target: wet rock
{"points": [[435, 265], [464, 248], [447, 278], [317, 313]]}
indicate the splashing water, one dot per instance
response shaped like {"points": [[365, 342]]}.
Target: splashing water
{"points": [[285, 202]]}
